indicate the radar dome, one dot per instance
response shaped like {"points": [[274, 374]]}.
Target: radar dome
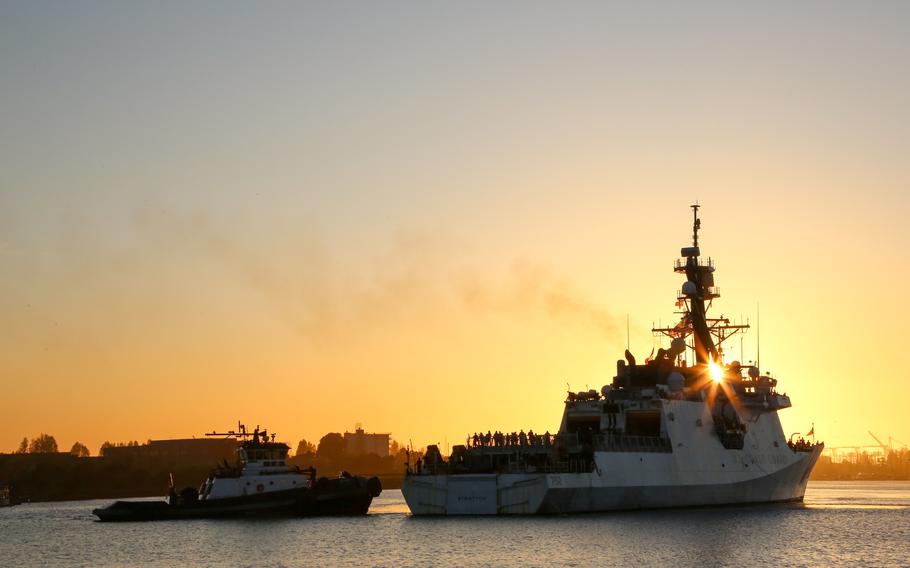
{"points": [[606, 390], [689, 288], [676, 382], [677, 346]]}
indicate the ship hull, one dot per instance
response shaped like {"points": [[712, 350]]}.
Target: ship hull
{"points": [[597, 491], [787, 484], [333, 497]]}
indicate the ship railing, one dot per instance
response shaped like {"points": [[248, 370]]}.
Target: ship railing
{"points": [[579, 465], [525, 449], [627, 443], [680, 263], [709, 292], [803, 445], [567, 438], [576, 465], [570, 466]]}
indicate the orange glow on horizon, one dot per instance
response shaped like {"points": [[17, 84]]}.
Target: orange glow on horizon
{"points": [[347, 231]]}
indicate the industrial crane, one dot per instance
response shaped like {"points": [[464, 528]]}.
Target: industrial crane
{"points": [[833, 451], [886, 449]]}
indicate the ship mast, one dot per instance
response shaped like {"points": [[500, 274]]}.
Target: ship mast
{"points": [[242, 434], [695, 298]]}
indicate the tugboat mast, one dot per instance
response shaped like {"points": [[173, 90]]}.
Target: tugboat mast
{"points": [[242, 434]]}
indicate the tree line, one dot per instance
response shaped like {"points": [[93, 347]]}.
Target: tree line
{"points": [[45, 443], [330, 447], [329, 456], [333, 446]]}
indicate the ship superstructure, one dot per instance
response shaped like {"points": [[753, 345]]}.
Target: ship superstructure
{"points": [[261, 467], [684, 428]]}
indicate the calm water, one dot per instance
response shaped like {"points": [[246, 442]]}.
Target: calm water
{"points": [[848, 524]]}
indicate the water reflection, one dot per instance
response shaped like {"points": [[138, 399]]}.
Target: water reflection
{"points": [[832, 527]]}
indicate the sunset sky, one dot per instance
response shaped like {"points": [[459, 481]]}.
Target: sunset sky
{"points": [[429, 218]]}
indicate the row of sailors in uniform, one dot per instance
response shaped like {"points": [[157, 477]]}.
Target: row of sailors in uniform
{"points": [[500, 439], [801, 444]]}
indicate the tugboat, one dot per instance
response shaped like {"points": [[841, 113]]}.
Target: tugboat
{"points": [[683, 429], [260, 484]]}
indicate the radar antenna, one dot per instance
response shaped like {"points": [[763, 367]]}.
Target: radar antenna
{"points": [[241, 433], [695, 298]]}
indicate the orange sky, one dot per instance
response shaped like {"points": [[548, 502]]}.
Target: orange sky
{"points": [[429, 220]]}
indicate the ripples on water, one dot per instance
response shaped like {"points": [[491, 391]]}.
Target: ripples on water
{"points": [[849, 524]]}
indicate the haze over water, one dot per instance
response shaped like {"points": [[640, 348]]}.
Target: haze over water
{"points": [[840, 524]]}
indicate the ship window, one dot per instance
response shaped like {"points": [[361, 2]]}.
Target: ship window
{"points": [[643, 423], [584, 426]]}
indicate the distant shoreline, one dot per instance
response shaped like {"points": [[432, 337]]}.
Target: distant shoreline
{"points": [[139, 471]]}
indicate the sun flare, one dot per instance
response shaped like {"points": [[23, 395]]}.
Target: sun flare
{"points": [[717, 372]]}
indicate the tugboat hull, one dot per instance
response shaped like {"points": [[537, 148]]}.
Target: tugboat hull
{"points": [[351, 496]]}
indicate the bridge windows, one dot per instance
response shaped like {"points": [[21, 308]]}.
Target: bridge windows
{"points": [[643, 423]]}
